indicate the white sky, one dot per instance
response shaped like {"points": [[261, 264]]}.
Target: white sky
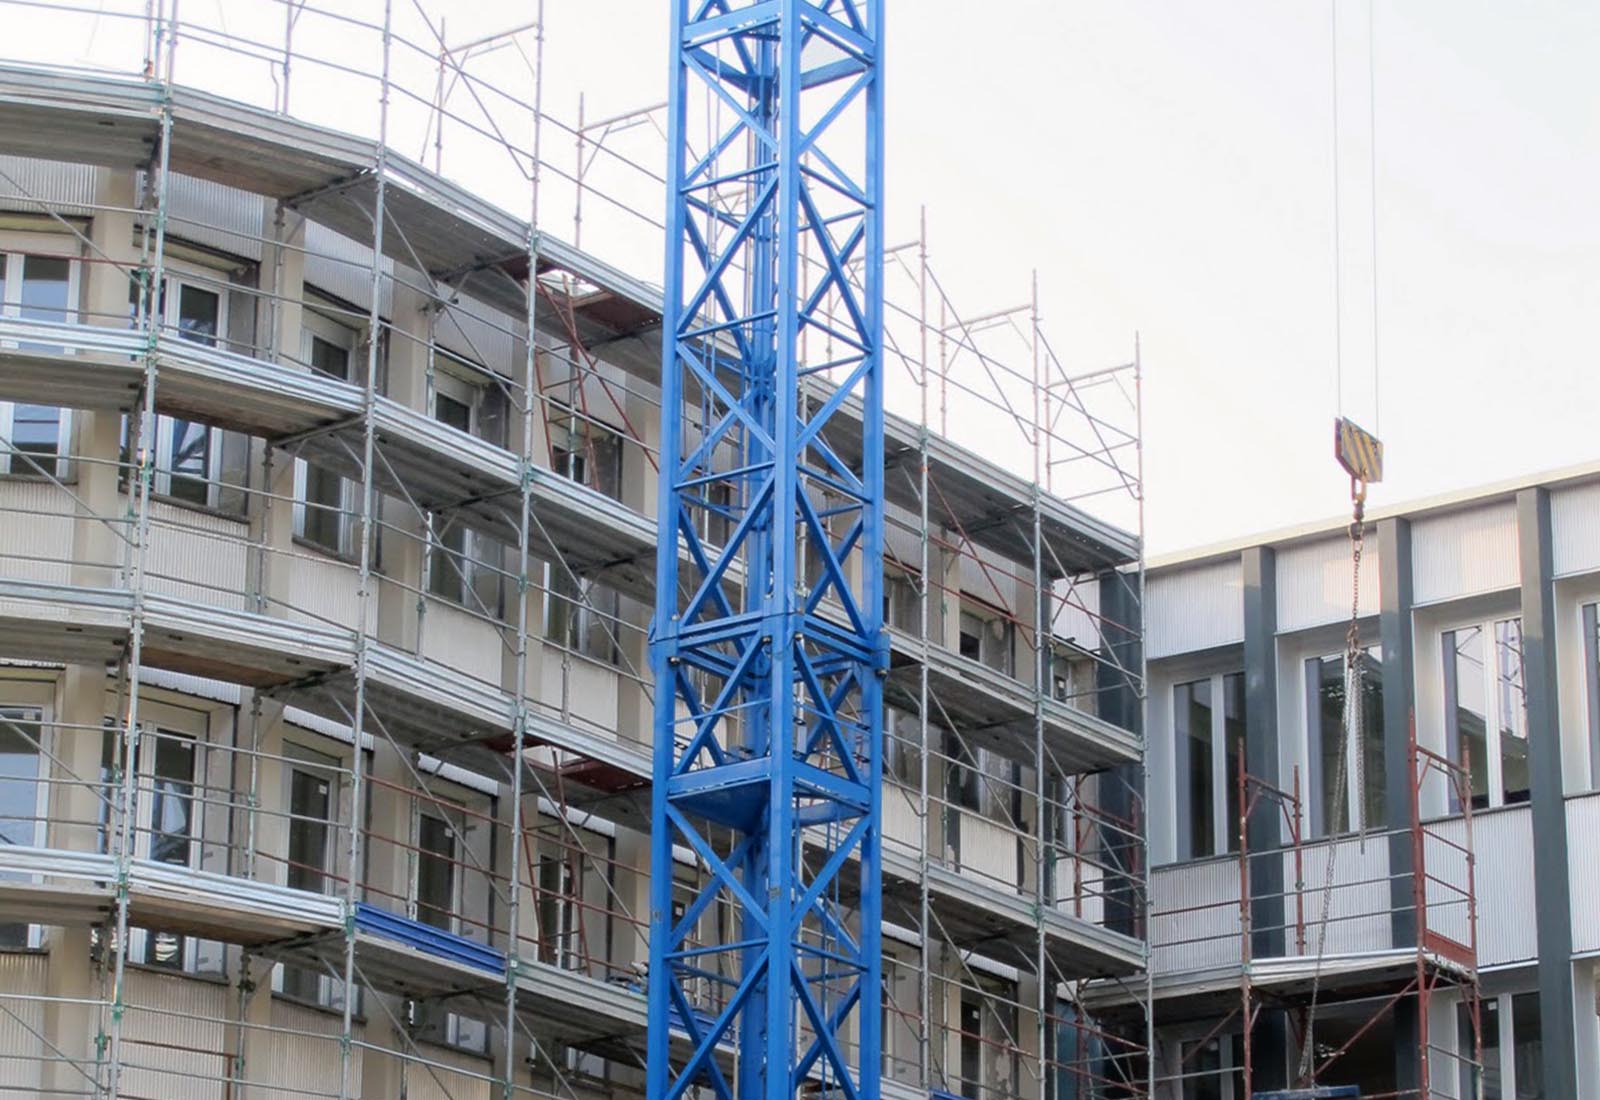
{"points": [[1167, 167]]}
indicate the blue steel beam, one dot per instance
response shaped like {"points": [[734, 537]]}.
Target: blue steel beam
{"points": [[767, 647]]}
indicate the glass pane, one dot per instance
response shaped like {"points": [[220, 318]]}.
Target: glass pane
{"points": [[172, 800], [1372, 736], [324, 500], [1202, 1071], [35, 430], [189, 460], [1192, 714], [1335, 805], [19, 777], [455, 413], [44, 293], [1489, 1023], [1233, 745], [1511, 710], [310, 804], [330, 358], [44, 288], [1527, 1046], [435, 872], [199, 315], [1469, 710]]}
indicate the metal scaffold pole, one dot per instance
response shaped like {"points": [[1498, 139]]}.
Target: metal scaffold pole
{"points": [[149, 314], [365, 583], [768, 705]]}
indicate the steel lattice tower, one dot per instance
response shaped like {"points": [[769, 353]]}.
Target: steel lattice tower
{"points": [[768, 648]]}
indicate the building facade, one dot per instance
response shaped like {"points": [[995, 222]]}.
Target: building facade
{"points": [[327, 497], [1477, 617]]}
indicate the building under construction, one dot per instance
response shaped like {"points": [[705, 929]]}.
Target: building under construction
{"points": [[331, 422]]}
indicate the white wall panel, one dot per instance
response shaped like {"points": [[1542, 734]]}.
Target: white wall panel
{"points": [[988, 851], [1502, 841], [1575, 529], [461, 641], [21, 1021], [1464, 553], [900, 820], [302, 1064], [68, 188], [1583, 831], [590, 693], [1314, 583], [319, 590], [467, 1081], [35, 532], [210, 554], [1194, 608], [208, 213], [1355, 908], [164, 1012], [1194, 916]]}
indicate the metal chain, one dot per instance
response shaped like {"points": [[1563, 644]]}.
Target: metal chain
{"points": [[1351, 724]]}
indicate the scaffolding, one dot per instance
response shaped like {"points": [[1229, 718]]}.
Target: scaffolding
{"points": [[363, 457], [1365, 927]]}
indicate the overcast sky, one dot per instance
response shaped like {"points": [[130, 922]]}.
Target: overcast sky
{"points": [[1168, 167]]}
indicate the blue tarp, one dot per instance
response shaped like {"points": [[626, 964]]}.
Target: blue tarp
{"points": [[428, 939]]}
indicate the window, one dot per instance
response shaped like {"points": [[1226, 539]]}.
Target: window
{"points": [[313, 796], [465, 396], [901, 606], [987, 639], [22, 795], [450, 895], [165, 825], [902, 743], [1333, 809], [582, 615], [1208, 728], [36, 288], [990, 1066], [1213, 1069], [325, 503], [590, 453], [1485, 711], [189, 456], [1591, 665], [1508, 1022]]}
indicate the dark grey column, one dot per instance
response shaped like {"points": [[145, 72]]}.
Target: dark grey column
{"points": [[1545, 793], [1119, 698], [1270, 1046], [1399, 703]]}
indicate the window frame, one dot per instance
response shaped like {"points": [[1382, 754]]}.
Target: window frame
{"points": [[1224, 798], [10, 707], [1494, 719], [14, 252], [298, 759], [317, 326], [1316, 780]]}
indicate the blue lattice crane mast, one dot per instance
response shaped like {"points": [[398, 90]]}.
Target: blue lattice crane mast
{"points": [[768, 649]]}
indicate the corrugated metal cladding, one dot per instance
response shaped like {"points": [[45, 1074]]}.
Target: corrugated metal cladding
{"points": [[1583, 826], [224, 218], [67, 188], [437, 1083], [21, 1023], [176, 1024], [1194, 919], [32, 549], [1314, 583], [342, 268], [300, 1054], [1353, 915], [1575, 529], [1501, 843], [1077, 603], [1194, 608], [1464, 553]]}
